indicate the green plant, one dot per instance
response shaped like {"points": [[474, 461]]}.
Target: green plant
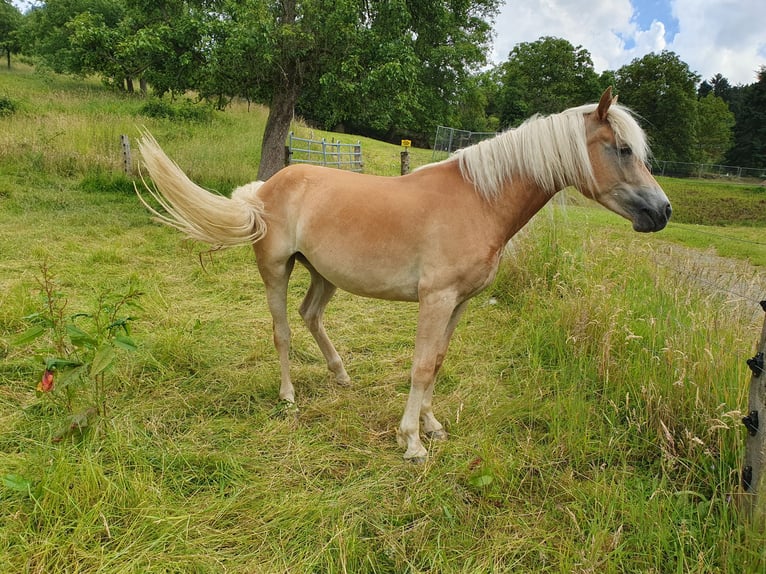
{"points": [[78, 350], [99, 180], [7, 107], [185, 110]]}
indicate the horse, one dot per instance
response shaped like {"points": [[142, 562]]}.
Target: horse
{"points": [[434, 236]]}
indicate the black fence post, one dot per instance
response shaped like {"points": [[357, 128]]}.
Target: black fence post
{"points": [[752, 478]]}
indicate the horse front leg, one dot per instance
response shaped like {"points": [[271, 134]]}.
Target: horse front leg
{"points": [[432, 428], [434, 318]]}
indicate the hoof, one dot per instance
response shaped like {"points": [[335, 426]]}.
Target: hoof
{"points": [[437, 435], [344, 382], [417, 455], [285, 409], [418, 460]]}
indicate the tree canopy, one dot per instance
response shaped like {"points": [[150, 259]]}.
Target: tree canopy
{"points": [[386, 68], [546, 76], [662, 90], [10, 22], [749, 148]]}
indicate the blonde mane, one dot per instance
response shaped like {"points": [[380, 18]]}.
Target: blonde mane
{"points": [[551, 150]]}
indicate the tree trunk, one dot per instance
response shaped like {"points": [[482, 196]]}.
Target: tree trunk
{"points": [[277, 127], [143, 86], [287, 88], [129, 85], [8, 55]]}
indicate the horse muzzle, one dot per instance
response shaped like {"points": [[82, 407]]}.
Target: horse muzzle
{"points": [[649, 219], [647, 208]]}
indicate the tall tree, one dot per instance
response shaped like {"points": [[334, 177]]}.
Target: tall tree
{"points": [[718, 85], [10, 22], [661, 89], [122, 40], [48, 31], [749, 148], [389, 65], [714, 129], [546, 76]]}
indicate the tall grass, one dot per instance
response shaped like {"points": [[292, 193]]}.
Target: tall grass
{"points": [[592, 396], [68, 128]]}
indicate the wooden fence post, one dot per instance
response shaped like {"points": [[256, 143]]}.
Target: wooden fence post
{"points": [[406, 156], [127, 162], [357, 157], [754, 469]]}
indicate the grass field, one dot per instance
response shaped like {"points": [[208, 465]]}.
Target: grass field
{"points": [[592, 394]]}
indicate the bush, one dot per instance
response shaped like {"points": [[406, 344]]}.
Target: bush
{"points": [[183, 111], [99, 181], [77, 351], [7, 107]]}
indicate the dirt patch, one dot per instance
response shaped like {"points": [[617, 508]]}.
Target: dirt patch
{"points": [[737, 283]]}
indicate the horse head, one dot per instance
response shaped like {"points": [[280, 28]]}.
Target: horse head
{"points": [[621, 180]]}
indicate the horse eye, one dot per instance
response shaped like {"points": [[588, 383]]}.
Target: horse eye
{"points": [[625, 151]]}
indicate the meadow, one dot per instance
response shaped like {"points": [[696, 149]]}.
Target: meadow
{"points": [[593, 394]]}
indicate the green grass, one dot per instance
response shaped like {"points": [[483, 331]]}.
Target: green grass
{"points": [[716, 203], [745, 242], [592, 394]]}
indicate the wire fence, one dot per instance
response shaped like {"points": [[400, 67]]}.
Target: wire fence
{"points": [[449, 140], [707, 170]]}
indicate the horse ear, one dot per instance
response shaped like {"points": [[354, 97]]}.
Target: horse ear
{"points": [[604, 103]]}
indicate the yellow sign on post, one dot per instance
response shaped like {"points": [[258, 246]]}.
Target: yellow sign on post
{"points": [[406, 143]]}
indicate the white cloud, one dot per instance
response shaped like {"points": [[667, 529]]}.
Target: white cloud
{"points": [[651, 40], [721, 36], [583, 23], [714, 36]]}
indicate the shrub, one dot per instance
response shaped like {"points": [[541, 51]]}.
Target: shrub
{"points": [[183, 111], [77, 351], [7, 107], [99, 181]]}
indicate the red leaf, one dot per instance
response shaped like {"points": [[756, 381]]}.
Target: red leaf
{"points": [[46, 383]]}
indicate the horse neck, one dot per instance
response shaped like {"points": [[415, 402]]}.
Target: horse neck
{"points": [[521, 198], [503, 214]]}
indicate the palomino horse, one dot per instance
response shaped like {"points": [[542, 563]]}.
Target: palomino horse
{"points": [[434, 236]]}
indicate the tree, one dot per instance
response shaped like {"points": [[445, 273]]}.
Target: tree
{"points": [[660, 88], [714, 129], [48, 31], [404, 68], [718, 85], [546, 76], [265, 52], [122, 40], [10, 22], [386, 66], [169, 37], [749, 148]]}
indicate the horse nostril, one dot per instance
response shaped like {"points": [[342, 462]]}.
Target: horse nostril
{"points": [[668, 211]]}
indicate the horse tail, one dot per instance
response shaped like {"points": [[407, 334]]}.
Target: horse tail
{"points": [[198, 213]]}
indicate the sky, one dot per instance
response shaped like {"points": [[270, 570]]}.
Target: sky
{"points": [[725, 37], [710, 36]]}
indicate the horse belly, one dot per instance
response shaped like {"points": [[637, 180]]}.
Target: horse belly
{"points": [[368, 277]]}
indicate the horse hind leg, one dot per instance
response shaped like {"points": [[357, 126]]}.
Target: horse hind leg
{"points": [[312, 310], [275, 279]]}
